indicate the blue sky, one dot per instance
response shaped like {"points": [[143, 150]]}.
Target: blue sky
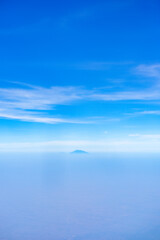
{"points": [[79, 74]]}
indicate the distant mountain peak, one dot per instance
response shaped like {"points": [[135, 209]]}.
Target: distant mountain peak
{"points": [[78, 151]]}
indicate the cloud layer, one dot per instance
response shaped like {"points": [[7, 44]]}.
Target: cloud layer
{"points": [[141, 145]]}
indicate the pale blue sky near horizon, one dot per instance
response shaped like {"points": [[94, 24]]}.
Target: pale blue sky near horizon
{"points": [[80, 74]]}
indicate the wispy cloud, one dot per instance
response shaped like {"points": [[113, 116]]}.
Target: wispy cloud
{"points": [[35, 104], [31, 117], [147, 94], [16, 102], [38, 98], [31, 104], [152, 70], [151, 112], [145, 136]]}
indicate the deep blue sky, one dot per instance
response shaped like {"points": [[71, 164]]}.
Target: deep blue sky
{"points": [[80, 74]]}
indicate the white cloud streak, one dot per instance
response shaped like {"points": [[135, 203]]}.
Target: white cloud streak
{"points": [[17, 102], [152, 70], [37, 97], [146, 136], [32, 104], [43, 119], [90, 146], [141, 113], [147, 94], [128, 95]]}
